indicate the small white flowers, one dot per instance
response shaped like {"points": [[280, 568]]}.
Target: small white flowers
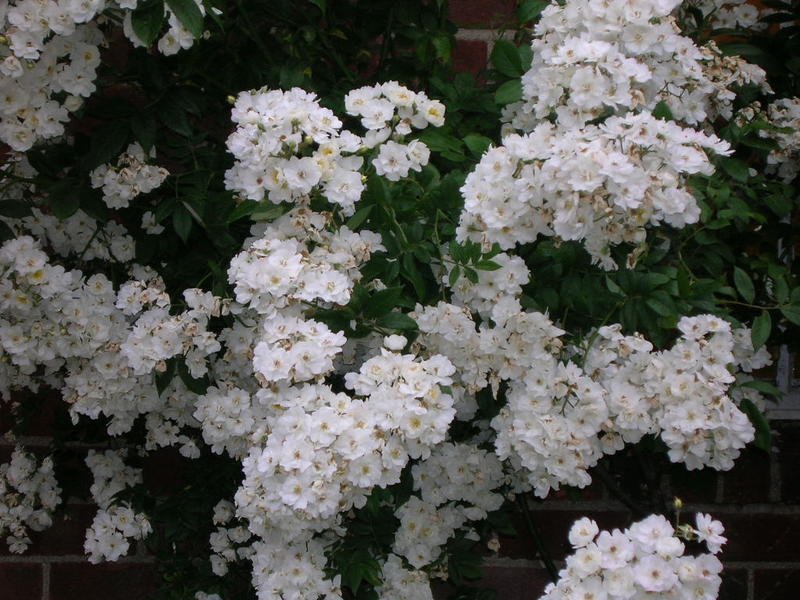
{"points": [[130, 177], [645, 559], [29, 494]]}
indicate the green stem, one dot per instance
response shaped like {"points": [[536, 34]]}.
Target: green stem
{"points": [[536, 534]]}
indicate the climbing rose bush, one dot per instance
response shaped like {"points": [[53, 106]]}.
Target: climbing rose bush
{"points": [[348, 328]]}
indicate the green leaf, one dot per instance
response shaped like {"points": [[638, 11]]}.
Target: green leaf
{"points": [[659, 308], [359, 217], [736, 168], [189, 15], [182, 222], [6, 233], [15, 209], [320, 4], [477, 144], [106, 145], [471, 275], [443, 45], [382, 302], [146, 21], [763, 433], [662, 111], [143, 127], [505, 58], [63, 198], [510, 91], [455, 273], [613, 287], [530, 10], [242, 210], [792, 314], [762, 326], [487, 265], [744, 284], [763, 387], [396, 320]]}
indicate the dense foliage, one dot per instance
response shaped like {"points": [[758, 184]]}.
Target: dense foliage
{"points": [[379, 307]]}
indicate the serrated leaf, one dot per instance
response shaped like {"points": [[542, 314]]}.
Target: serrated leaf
{"points": [[188, 13], [662, 111], [477, 144], [143, 127], [106, 145], [763, 387], [510, 91], [762, 327], [242, 210], [63, 198], [382, 302], [487, 265], [147, 20], [455, 273], [530, 10], [505, 58], [744, 284], [396, 320], [471, 275], [182, 222], [736, 168], [792, 314], [659, 308], [6, 233], [763, 439], [15, 209], [359, 217], [613, 287]]}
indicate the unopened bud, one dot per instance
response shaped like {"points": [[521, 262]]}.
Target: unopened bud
{"points": [[231, 99]]}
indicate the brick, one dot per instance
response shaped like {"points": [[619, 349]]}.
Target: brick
{"points": [[777, 584], [108, 581], [162, 471], [64, 538], [788, 443], [470, 56], [20, 581], [760, 537], [693, 486], [485, 14], [508, 583], [749, 480], [734, 585], [35, 413]]}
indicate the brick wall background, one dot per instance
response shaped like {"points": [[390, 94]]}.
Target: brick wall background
{"points": [[758, 501]]}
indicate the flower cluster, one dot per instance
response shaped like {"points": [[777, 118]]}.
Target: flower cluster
{"points": [[785, 113], [29, 494], [591, 56], [645, 559], [390, 108], [602, 184], [107, 537], [296, 260], [456, 484], [400, 583], [285, 145], [130, 177], [49, 52]]}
